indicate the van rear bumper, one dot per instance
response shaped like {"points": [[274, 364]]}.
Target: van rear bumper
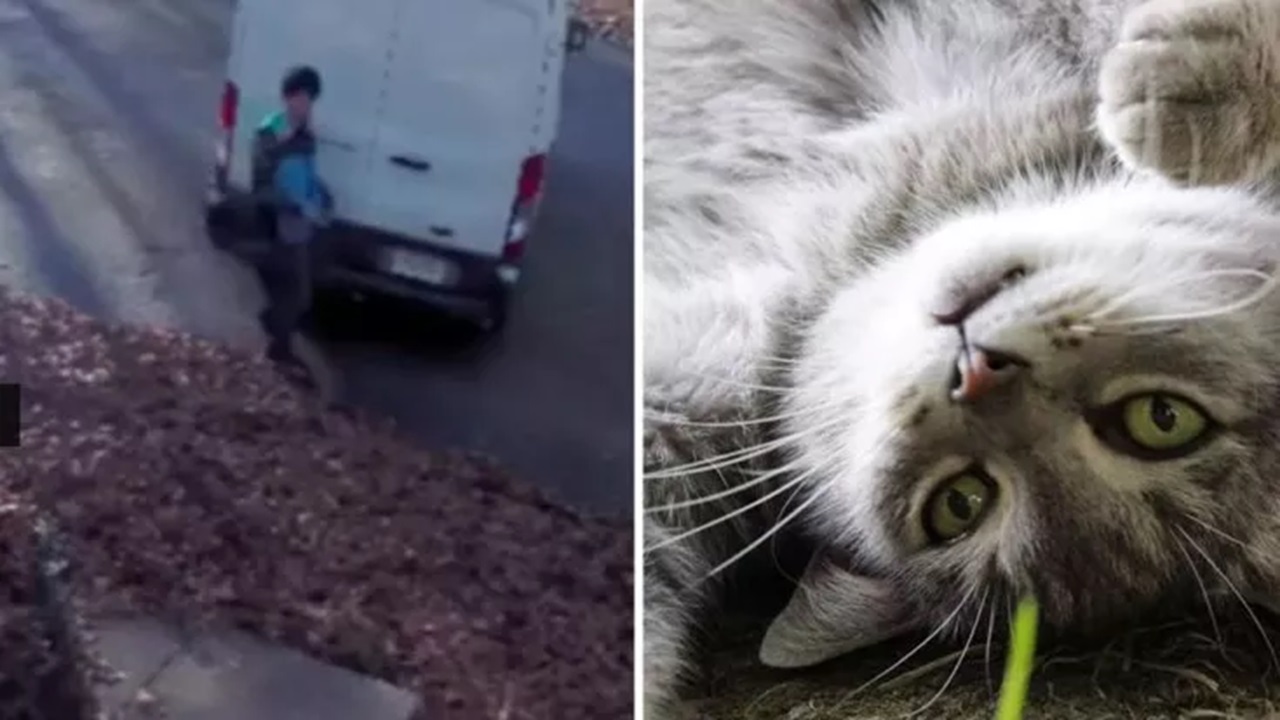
{"points": [[353, 257]]}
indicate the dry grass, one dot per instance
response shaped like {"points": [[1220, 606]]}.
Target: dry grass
{"points": [[1177, 669]]}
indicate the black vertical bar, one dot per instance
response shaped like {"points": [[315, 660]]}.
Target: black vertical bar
{"points": [[10, 415]]}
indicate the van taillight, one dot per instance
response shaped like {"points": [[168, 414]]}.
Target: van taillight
{"points": [[229, 110], [228, 114], [531, 173], [525, 208]]}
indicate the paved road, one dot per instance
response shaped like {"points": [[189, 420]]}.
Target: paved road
{"points": [[105, 136]]}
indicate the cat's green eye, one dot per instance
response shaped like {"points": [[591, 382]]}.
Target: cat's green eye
{"points": [[957, 506], [1162, 423]]}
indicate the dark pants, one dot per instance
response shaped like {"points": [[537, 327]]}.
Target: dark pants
{"points": [[288, 283]]}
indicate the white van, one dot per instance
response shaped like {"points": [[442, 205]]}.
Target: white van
{"points": [[433, 130]]}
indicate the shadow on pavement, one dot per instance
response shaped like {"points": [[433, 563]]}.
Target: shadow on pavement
{"points": [[59, 265], [393, 325]]}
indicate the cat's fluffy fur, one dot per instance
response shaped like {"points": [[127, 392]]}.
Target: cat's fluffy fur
{"points": [[823, 176]]}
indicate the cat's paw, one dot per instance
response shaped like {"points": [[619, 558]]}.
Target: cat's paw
{"points": [[1192, 90]]}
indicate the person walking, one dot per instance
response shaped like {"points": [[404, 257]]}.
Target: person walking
{"points": [[297, 205]]}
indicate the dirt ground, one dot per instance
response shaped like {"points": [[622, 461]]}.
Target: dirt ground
{"points": [[1168, 668]]}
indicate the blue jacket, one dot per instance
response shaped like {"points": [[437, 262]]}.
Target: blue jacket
{"points": [[297, 183], [288, 156]]}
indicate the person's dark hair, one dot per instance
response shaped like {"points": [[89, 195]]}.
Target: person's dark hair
{"points": [[301, 79]]}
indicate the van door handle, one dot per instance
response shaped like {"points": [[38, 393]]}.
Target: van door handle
{"points": [[413, 163], [334, 142]]}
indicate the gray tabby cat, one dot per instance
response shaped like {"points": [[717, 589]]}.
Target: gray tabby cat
{"points": [[975, 295]]}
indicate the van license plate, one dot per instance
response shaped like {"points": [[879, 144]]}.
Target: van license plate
{"points": [[418, 266]]}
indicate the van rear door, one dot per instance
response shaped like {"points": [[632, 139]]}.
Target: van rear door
{"points": [[347, 43], [460, 113]]}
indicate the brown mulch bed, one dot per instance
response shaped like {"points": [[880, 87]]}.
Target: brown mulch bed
{"points": [[190, 480], [611, 19]]}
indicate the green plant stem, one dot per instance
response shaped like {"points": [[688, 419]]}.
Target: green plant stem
{"points": [[1022, 655]]}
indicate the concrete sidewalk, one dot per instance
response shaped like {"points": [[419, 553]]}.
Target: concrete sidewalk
{"points": [[231, 676]]}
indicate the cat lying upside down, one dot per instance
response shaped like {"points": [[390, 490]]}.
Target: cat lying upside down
{"points": [[975, 296]]}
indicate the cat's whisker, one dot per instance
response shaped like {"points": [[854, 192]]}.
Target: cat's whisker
{"points": [[777, 527], [1204, 591], [946, 622], [780, 360], [1266, 639], [1076, 306], [1145, 286], [986, 653], [718, 462], [1118, 302], [1268, 285], [740, 383], [1148, 287], [1125, 332], [1229, 538], [955, 669], [773, 546], [811, 411], [722, 461], [726, 424], [737, 512], [786, 504], [734, 489]]}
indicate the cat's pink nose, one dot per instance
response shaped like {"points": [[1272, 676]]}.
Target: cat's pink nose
{"points": [[981, 370]]}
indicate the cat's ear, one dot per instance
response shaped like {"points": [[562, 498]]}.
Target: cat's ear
{"points": [[833, 611]]}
